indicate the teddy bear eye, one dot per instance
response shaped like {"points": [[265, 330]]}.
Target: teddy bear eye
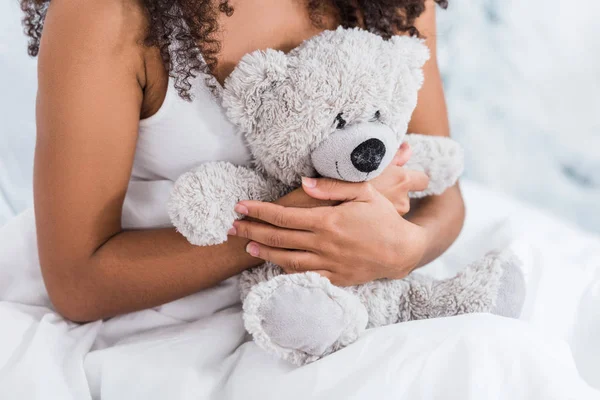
{"points": [[340, 121], [376, 116]]}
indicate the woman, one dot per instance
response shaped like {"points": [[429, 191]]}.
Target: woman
{"points": [[115, 78]]}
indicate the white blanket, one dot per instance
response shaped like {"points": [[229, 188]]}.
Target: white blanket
{"points": [[196, 348]]}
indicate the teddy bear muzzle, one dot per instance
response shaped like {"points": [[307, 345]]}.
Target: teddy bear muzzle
{"points": [[356, 153]]}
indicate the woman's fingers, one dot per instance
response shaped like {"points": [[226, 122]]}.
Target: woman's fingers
{"points": [[332, 189], [292, 262], [417, 180], [402, 155], [283, 217], [273, 236]]}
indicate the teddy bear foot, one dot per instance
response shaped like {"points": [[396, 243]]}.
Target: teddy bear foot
{"points": [[303, 317], [512, 289], [495, 284]]}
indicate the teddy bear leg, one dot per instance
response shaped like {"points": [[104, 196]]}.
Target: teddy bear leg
{"points": [[495, 284], [303, 317]]}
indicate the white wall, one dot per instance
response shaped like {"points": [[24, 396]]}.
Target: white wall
{"points": [[523, 85], [17, 113]]}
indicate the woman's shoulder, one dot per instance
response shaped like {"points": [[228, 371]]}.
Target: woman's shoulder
{"points": [[91, 32], [120, 24]]}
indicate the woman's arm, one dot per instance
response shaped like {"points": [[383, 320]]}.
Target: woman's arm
{"points": [[441, 216], [91, 84]]}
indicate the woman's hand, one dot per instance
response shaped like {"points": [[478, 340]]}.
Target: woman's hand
{"points": [[395, 182], [360, 240]]}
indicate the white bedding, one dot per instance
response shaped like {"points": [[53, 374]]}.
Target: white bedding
{"points": [[195, 348]]}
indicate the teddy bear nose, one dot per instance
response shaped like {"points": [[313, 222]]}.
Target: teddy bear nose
{"points": [[367, 156]]}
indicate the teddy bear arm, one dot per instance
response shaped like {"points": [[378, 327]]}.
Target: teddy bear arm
{"points": [[441, 158], [201, 206]]}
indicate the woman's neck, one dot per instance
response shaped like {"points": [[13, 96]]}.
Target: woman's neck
{"points": [[262, 24]]}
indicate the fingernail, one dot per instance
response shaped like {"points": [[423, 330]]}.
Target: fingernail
{"points": [[241, 209], [252, 249], [405, 146], [232, 231], [309, 182]]}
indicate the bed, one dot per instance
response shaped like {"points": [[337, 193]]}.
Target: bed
{"points": [[196, 348]]}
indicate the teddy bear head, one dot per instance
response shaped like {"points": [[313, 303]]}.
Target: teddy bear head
{"points": [[337, 106]]}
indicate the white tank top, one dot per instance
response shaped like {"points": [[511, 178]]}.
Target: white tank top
{"points": [[179, 137]]}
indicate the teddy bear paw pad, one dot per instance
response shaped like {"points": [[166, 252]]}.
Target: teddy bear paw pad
{"points": [[306, 320], [512, 289]]}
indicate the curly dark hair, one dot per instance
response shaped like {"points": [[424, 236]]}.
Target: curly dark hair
{"points": [[193, 25]]}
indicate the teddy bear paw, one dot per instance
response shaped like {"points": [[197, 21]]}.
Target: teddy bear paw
{"points": [[303, 317], [512, 288]]}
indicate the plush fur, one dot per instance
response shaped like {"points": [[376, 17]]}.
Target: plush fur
{"points": [[337, 106], [202, 200]]}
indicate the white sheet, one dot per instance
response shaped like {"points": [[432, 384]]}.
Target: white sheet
{"points": [[195, 348]]}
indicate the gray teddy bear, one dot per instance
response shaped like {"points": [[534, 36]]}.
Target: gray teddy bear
{"points": [[337, 106]]}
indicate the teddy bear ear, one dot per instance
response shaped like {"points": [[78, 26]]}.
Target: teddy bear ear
{"points": [[256, 74], [413, 50]]}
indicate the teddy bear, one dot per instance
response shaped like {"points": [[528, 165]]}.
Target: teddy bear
{"points": [[337, 106]]}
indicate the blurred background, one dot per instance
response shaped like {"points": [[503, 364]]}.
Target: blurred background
{"points": [[522, 82]]}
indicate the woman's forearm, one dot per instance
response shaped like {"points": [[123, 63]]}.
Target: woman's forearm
{"points": [[135, 270], [442, 217]]}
